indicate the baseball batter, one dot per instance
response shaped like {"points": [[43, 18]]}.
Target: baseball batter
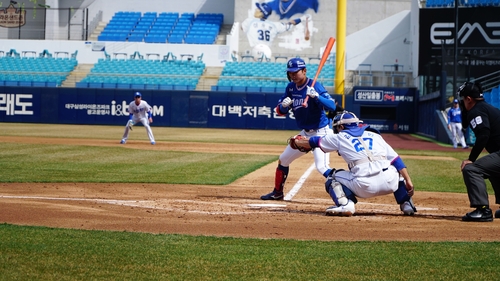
{"points": [[140, 111], [374, 167], [259, 30], [311, 119]]}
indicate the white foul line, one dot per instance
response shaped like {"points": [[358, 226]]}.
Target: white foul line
{"points": [[298, 184]]}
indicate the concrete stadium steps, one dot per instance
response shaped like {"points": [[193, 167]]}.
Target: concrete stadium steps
{"points": [[209, 78], [80, 72]]}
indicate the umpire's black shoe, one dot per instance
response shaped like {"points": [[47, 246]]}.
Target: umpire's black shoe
{"points": [[497, 214], [479, 215]]}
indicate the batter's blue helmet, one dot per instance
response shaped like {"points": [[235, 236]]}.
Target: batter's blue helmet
{"points": [[295, 64], [265, 9], [137, 94]]}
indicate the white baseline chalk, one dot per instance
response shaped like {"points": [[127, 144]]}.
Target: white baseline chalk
{"points": [[299, 183]]}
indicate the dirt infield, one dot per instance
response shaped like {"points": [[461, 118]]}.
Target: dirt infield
{"points": [[235, 210]]}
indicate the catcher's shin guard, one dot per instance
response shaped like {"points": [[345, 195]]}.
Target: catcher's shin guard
{"points": [[339, 193], [280, 177], [401, 194]]}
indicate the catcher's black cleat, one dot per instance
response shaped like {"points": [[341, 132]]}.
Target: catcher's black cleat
{"points": [[497, 214], [479, 215], [275, 195]]}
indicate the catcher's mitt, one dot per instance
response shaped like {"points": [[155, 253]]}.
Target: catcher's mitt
{"points": [[292, 141]]}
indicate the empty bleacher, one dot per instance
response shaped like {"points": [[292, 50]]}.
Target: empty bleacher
{"points": [[265, 76], [138, 73], [29, 69], [186, 28]]}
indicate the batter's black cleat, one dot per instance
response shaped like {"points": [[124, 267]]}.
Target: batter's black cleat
{"points": [[497, 214], [275, 195], [479, 215]]}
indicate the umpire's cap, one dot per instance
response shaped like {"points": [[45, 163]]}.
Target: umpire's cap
{"points": [[473, 90], [137, 94], [295, 64]]}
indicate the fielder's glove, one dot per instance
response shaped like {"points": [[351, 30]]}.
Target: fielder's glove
{"points": [[286, 102], [312, 92], [130, 124], [292, 141]]}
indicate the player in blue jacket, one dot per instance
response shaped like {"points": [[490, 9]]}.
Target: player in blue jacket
{"points": [[312, 119], [455, 125]]}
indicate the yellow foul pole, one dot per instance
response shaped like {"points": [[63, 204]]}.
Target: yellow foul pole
{"points": [[340, 49]]}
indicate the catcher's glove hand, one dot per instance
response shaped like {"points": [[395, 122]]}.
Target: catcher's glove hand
{"points": [[130, 124], [292, 141]]}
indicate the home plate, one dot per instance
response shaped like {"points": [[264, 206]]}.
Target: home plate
{"points": [[266, 205]]}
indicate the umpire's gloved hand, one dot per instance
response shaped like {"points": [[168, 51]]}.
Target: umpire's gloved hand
{"points": [[312, 92]]}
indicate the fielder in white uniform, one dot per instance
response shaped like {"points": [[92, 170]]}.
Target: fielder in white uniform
{"points": [[259, 30], [140, 111], [374, 167]]}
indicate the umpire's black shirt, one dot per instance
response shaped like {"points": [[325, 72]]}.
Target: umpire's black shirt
{"points": [[484, 120]]}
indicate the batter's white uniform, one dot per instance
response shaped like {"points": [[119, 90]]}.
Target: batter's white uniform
{"points": [[263, 31], [140, 114], [366, 178]]}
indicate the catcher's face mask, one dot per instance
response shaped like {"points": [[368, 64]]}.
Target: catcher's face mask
{"points": [[345, 119]]}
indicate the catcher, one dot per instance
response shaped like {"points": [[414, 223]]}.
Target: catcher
{"points": [[312, 119], [374, 167]]}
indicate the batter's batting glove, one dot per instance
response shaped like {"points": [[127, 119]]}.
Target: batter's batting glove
{"points": [[312, 92], [286, 102], [130, 124]]}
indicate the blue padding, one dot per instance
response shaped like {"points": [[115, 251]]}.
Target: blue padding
{"points": [[401, 194]]}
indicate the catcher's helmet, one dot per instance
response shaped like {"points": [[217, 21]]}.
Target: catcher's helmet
{"points": [[295, 64], [346, 119], [473, 90]]}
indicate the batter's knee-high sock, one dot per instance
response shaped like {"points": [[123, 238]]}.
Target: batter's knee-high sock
{"points": [[280, 178]]}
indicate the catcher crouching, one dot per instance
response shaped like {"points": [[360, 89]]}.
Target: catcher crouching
{"points": [[374, 167]]}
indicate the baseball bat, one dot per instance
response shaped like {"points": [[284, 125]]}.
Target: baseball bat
{"points": [[326, 53]]}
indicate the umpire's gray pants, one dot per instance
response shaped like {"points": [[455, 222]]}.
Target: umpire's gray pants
{"points": [[486, 167]]}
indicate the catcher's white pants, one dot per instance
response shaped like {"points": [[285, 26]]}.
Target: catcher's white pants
{"points": [[144, 122], [321, 159], [382, 183], [458, 135]]}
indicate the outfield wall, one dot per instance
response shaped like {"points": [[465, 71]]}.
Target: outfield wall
{"points": [[387, 109]]}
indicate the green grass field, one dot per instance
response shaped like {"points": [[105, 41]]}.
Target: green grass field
{"points": [[40, 253]]}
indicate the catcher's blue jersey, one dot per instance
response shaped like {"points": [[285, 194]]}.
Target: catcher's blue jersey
{"points": [[313, 116]]}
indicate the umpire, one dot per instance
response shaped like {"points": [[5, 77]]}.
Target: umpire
{"points": [[484, 120]]}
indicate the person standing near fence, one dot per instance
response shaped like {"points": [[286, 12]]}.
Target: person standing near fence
{"points": [[455, 125]]}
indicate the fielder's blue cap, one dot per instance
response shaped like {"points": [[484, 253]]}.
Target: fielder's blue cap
{"points": [[264, 8], [295, 64], [137, 94], [455, 101]]}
